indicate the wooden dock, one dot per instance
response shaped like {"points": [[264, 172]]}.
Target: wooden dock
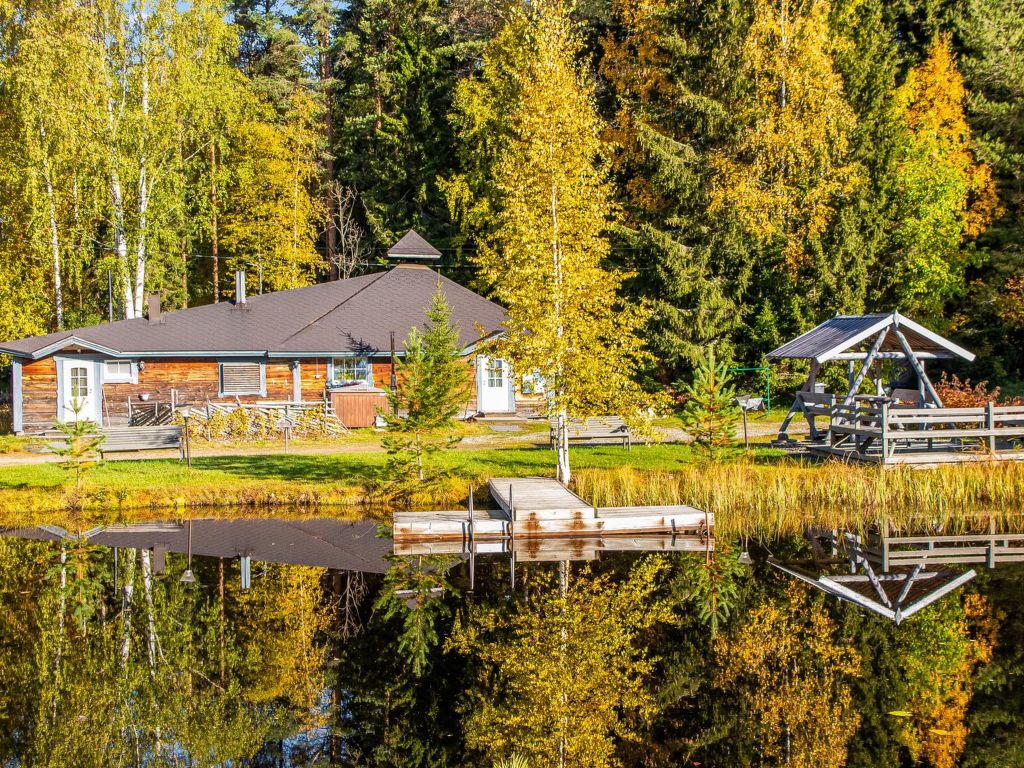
{"points": [[532, 507]]}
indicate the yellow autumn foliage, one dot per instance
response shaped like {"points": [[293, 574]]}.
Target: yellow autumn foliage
{"points": [[792, 161], [788, 661]]}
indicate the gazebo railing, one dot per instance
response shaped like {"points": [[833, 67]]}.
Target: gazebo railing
{"points": [[866, 426]]}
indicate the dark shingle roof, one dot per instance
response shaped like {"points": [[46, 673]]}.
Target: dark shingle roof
{"points": [[853, 333], [345, 316], [413, 246]]}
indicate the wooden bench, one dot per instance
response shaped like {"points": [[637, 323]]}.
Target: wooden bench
{"points": [[153, 438], [594, 429]]}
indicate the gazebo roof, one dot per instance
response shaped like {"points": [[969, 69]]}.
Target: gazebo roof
{"points": [[844, 336]]}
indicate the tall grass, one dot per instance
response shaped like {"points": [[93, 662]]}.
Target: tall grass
{"points": [[782, 499]]}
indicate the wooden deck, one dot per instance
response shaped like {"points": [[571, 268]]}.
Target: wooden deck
{"points": [[534, 507], [528, 498], [880, 433]]}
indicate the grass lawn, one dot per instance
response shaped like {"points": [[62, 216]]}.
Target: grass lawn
{"points": [[28, 490]]}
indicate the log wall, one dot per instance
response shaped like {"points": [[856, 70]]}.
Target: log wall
{"points": [[195, 380]]}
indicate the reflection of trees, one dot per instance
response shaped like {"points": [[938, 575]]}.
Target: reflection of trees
{"points": [[412, 590], [709, 584], [158, 672], [787, 672], [940, 655], [996, 718], [562, 677]]}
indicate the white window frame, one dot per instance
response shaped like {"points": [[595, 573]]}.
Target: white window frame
{"points": [[261, 392], [353, 363], [120, 378]]}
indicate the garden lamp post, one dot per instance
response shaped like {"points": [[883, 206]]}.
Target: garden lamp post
{"points": [[186, 414], [188, 577]]}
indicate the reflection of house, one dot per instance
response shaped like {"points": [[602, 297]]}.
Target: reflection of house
{"points": [[329, 340], [347, 546]]}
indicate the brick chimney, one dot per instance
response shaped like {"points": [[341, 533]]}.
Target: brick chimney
{"points": [[153, 306]]}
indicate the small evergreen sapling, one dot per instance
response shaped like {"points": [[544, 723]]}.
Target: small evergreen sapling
{"points": [[81, 445], [710, 414], [431, 387]]}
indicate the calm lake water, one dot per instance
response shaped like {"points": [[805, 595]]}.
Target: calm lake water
{"points": [[309, 642]]}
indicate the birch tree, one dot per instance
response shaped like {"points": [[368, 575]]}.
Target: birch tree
{"points": [[545, 259]]}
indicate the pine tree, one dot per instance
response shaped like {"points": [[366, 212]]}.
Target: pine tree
{"points": [[710, 414], [396, 73], [664, 63], [544, 262], [431, 387]]}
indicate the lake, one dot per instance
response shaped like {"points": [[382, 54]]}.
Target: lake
{"points": [[308, 642]]}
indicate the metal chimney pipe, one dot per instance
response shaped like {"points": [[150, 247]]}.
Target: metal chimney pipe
{"points": [[240, 287]]}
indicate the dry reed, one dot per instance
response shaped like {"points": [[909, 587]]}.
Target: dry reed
{"points": [[771, 500]]}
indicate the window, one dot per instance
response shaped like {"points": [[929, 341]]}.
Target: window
{"points": [[118, 371], [79, 384], [241, 378], [348, 369], [495, 373]]}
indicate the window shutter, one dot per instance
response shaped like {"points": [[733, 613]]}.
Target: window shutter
{"points": [[240, 378]]}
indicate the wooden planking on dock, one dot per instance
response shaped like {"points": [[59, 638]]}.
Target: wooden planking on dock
{"points": [[540, 497]]}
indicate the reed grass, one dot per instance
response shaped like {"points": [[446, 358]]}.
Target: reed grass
{"points": [[782, 499], [759, 495]]}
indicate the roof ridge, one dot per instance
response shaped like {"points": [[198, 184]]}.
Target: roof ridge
{"points": [[317, 319]]}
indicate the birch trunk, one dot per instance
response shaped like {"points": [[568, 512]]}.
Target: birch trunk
{"points": [[147, 590], [58, 295], [126, 606], [145, 187], [117, 204], [214, 253], [564, 473]]}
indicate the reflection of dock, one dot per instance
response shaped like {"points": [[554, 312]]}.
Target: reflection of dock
{"points": [[560, 547], [542, 507]]}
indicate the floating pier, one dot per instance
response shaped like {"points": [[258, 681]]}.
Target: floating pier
{"points": [[531, 507]]}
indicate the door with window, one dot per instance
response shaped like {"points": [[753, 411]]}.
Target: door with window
{"points": [[494, 385], [79, 392]]}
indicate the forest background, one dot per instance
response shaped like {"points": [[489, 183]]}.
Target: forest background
{"points": [[774, 163]]}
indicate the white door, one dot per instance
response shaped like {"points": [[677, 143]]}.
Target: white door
{"points": [[494, 385], [78, 383]]}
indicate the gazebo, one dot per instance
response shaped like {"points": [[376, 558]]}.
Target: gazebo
{"points": [[863, 342]]}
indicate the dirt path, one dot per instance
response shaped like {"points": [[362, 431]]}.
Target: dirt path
{"points": [[761, 432]]}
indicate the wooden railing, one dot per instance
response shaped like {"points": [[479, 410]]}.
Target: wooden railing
{"points": [[864, 425]]}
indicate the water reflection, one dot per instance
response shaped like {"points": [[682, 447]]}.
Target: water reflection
{"points": [[314, 642]]}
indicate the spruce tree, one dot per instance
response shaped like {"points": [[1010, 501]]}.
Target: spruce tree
{"points": [[432, 383], [710, 414]]}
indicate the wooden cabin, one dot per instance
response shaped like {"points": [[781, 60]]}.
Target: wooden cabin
{"points": [[328, 343]]}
